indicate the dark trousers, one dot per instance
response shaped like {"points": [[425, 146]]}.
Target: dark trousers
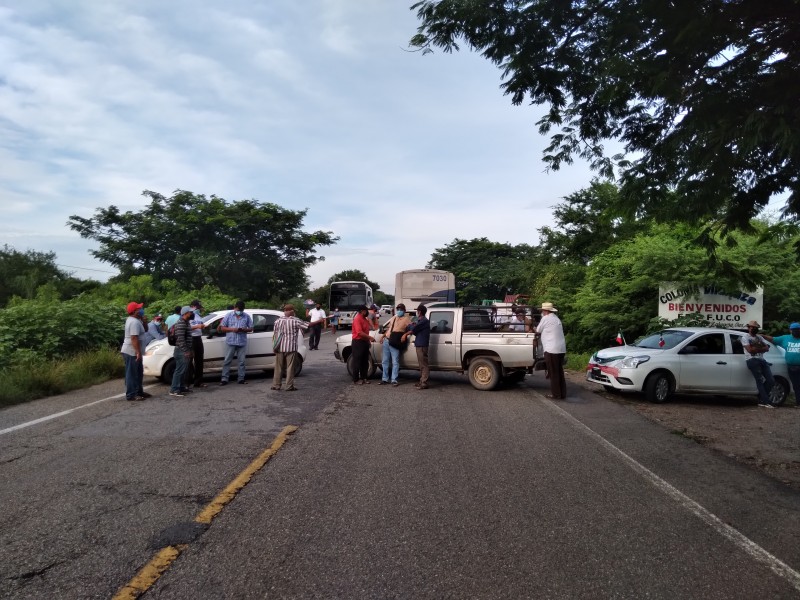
{"points": [[195, 371], [555, 372], [313, 338], [360, 359], [794, 377], [134, 374], [763, 376], [424, 369]]}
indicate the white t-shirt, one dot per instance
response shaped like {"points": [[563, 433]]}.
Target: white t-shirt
{"points": [[316, 314], [552, 334]]}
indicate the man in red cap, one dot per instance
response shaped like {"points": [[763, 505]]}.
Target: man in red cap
{"points": [[132, 349]]}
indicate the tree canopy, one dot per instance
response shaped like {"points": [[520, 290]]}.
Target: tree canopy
{"points": [[246, 248], [703, 94], [484, 269]]}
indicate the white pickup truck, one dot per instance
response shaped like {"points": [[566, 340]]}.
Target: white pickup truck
{"points": [[465, 339]]}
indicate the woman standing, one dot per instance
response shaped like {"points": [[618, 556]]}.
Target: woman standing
{"points": [[361, 346]]}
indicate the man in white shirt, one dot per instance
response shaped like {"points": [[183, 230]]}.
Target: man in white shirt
{"points": [[551, 334], [316, 321]]}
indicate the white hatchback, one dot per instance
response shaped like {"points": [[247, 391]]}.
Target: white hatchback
{"points": [[158, 356], [697, 360]]}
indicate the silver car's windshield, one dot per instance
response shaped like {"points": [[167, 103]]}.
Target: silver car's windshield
{"points": [[664, 340]]}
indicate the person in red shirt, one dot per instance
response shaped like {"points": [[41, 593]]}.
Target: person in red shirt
{"points": [[361, 346]]}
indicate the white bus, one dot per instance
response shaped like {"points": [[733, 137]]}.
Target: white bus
{"points": [[347, 296], [424, 286]]}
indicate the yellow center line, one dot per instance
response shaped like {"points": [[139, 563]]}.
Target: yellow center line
{"points": [[157, 565]]}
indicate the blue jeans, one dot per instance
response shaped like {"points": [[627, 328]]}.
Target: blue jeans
{"points": [[763, 376], [794, 377], [226, 366], [134, 373], [390, 356], [181, 363]]}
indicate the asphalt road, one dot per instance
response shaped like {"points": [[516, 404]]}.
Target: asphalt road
{"points": [[382, 493]]}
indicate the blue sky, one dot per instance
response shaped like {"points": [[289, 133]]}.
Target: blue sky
{"points": [[313, 105]]}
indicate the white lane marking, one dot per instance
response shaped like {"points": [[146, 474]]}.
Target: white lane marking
{"points": [[61, 414], [775, 564]]}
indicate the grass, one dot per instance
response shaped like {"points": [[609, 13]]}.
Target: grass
{"points": [[577, 362], [37, 378]]}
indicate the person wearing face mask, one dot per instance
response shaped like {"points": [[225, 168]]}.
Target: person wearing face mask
{"points": [[316, 317], [235, 325], [754, 348], [397, 325], [194, 375], [790, 343], [132, 349]]}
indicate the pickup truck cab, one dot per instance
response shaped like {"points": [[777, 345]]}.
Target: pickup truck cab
{"points": [[464, 340]]}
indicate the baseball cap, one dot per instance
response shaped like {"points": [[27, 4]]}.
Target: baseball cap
{"points": [[794, 326], [186, 309], [133, 307]]}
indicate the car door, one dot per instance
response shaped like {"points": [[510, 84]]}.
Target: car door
{"points": [[442, 350], [213, 344], [260, 354], [742, 380], [705, 363]]}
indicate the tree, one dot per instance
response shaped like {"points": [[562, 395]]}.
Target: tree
{"points": [[704, 93], [246, 248], [621, 284], [586, 223], [22, 273], [354, 275], [484, 269]]}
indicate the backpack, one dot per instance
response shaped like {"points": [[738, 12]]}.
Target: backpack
{"points": [[171, 336]]}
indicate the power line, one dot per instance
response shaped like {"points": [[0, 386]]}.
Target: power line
{"points": [[85, 269]]}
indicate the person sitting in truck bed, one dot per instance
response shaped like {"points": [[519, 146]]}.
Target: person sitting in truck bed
{"points": [[519, 322]]}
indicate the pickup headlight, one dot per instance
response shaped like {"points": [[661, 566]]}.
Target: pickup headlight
{"points": [[631, 362]]}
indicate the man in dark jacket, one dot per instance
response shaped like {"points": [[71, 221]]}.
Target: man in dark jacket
{"points": [[183, 351], [422, 332]]}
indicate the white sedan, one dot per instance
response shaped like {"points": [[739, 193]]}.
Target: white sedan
{"points": [[683, 360], [159, 362]]}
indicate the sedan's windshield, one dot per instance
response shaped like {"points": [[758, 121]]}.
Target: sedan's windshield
{"points": [[665, 339]]}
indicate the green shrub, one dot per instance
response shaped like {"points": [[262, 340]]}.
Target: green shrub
{"points": [[36, 377]]}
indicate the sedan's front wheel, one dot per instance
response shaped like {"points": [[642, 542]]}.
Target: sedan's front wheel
{"points": [[658, 387]]}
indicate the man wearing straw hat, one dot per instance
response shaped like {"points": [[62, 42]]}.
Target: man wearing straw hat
{"points": [[551, 333]]}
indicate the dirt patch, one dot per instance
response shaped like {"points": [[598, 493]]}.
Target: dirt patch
{"points": [[767, 439]]}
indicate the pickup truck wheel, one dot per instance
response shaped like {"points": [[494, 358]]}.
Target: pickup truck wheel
{"points": [[484, 374], [168, 371], [658, 387]]}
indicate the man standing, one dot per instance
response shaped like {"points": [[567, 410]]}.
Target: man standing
{"points": [[182, 353], [316, 317], [791, 343], [131, 350], [551, 333], [195, 376], [422, 332], [173, 318], [374, 317], [286, 327], [154, 328], [361, 346], [754, 348], [235, 325]]}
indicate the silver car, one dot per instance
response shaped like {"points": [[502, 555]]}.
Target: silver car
{"points": [[158, 360], [696, 360]]}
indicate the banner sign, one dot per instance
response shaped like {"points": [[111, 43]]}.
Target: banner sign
{"points": [[722, 308]]}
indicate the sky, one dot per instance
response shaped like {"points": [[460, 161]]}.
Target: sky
{"points": [[317, 105]]}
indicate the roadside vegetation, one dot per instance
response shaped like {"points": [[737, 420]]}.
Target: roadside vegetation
{"points": [[601, 268]]}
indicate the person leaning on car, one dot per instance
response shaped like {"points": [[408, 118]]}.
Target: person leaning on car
{"points": [[790, 343], [754, 348]]}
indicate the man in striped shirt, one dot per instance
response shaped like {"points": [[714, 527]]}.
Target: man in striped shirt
{"points": [[286, 327]]}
